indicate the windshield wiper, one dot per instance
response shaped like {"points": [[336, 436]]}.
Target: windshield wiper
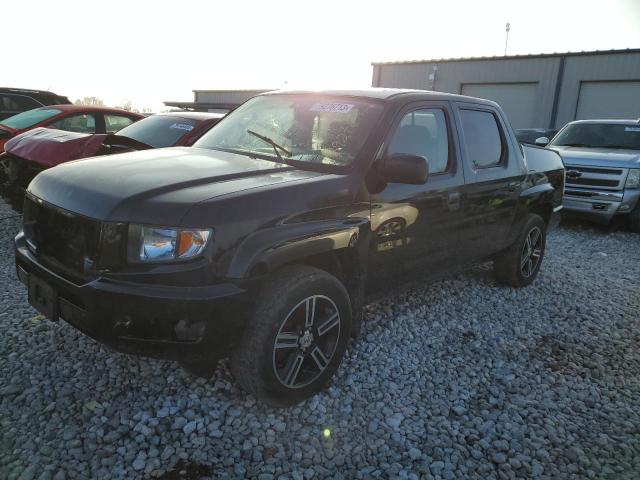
{"points": [[275, 146]]}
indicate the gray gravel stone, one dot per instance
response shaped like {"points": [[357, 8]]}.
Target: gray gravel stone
{"points": [[138, 463], [457, 378]]}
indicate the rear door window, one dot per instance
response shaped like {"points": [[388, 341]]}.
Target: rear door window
{"points": [[80, 123], [482, 139], [113, 123]]}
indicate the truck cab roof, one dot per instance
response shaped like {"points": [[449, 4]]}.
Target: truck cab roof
{"points": [[388, 94], [610, 121]]}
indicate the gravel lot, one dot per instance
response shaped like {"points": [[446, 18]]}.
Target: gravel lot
{"points": [[461, 378]]}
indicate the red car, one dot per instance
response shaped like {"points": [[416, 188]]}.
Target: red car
{"points": [[41, 148], [72, 118]]}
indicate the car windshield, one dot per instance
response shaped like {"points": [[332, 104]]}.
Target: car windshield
{"points": [[159, 130], [29, 118], [599, 135], [303, 128]]}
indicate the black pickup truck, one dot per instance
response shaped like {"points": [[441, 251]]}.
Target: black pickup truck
{"points": [[260, 242]]}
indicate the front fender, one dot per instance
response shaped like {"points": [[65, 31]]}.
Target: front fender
{"points": [[268, 249]]}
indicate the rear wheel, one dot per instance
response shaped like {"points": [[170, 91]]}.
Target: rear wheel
{"points": [[296, 338], [519, 265]]}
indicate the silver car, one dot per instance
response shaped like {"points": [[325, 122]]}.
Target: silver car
{"points": [[602, 162]]}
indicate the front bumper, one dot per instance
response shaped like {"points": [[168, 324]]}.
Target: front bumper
{"points": [[169, 322], [599, 206]]}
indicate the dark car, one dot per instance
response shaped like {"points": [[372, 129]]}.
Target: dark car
{"points": [[261, 240], [530, 135], [31, 152], [16, 100], [71, 118]]}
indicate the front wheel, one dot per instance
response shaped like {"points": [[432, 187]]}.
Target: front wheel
{"points": [[519, 265], [296, 337]]}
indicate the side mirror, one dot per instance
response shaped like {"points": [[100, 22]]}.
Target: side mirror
{"points": [[405, 168], [542, 141]]}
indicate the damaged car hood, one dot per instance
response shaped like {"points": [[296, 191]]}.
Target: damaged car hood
{"points": [[155, 186], [49, 147]]}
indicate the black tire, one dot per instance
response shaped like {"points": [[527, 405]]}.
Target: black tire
{"points": [[288, 371], [511, 267], [634, 219]]}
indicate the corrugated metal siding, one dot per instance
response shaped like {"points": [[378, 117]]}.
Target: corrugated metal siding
{"points": [[452, 74], [608, 100], [519, 100], [225, 96], [624, 66]]}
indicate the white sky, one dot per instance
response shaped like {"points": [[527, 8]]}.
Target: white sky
{"points": [[150, 51]]}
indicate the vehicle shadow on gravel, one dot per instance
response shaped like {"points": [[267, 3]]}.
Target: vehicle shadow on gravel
{"points": [[578, 224]]}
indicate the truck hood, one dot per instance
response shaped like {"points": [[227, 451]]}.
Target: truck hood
{"points": [[155, 186], [599, 157]]}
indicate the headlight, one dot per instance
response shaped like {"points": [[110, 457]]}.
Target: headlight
{"points": [[633, 179], [161, 244]]}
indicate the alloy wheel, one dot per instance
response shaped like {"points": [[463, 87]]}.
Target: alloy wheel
{"points": [[531, 252], [306, 341]]}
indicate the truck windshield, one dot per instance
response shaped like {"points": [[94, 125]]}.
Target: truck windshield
{"points": [[305, 128], [159, 130], [599, 135], [29, 118]]}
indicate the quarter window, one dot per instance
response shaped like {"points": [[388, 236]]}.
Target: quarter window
{"points": [[482, 138], [81, 123], [423, 133], [113, 123]]}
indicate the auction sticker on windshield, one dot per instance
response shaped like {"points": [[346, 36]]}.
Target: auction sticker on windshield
{"points": [[182, 126], [332, 107]]}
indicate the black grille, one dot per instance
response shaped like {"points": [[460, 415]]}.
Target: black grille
{"points": [[61, 238], [578, 193], [607, 171], [593, 182]]}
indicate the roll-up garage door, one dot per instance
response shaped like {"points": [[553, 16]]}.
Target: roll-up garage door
{"points": [[609, 100], [518, 100]]}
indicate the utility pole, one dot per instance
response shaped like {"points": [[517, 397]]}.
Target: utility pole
{"points": [[506, 42]]}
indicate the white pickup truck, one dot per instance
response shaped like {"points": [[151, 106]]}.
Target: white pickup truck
{"points": [[602, 162]]}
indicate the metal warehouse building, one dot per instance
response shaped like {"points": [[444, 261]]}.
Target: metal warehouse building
{"points": [[218, 101], [536, 91]]}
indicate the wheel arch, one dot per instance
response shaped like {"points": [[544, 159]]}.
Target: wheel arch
{"points": [[339, 247]]}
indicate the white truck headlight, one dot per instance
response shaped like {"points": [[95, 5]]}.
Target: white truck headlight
{"points": [[633, 178], [164, 244]]}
